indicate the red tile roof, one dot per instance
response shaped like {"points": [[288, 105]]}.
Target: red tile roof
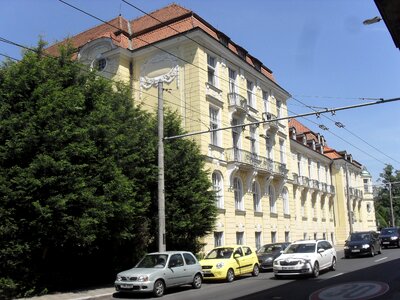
{"points": [[147, 29]]}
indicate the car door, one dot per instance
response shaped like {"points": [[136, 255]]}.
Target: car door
{"points": [[239, 260], [324, 256], [191, 266], [247, 260], [176, 270]]}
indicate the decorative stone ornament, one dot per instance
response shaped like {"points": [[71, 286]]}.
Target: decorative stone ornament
{"points": [[160, 68]]}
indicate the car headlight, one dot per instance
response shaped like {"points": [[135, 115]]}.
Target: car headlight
{"points": [[346, 247], [119, 278], [219, 265], [276, 262], [393, 237], [143, 278], [365, 246]]}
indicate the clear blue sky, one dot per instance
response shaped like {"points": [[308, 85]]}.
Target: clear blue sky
{"points": [[319, 51]]}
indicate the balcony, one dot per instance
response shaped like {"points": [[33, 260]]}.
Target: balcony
{"points": [[273, 124], [238, 103], [247, 160]]}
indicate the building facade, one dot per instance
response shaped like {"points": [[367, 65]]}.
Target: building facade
{"points": [[270, 186]]}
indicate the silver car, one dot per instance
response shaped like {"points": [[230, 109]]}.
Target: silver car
{"points": [[161, 270]]}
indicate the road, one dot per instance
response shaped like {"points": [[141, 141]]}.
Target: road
{"points": [[354, 279]]}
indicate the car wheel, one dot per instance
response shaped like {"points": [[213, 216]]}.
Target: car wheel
{"points": [[398, 244], [256, 270], [315, 272], [347, 256], [197, 281], [159, 288], [230, 275], [372, 253], [278, 276], [333, 265]]}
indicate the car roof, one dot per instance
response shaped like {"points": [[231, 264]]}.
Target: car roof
{"points": [[309, 241], [169, 252]]}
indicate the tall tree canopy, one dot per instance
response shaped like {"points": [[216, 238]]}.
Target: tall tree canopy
{"points": [[78, 178], [383, 207]]}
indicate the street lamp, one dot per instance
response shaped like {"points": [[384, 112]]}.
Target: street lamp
{"points": [[372, 20]]}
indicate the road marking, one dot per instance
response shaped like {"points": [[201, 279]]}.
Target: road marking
{"points": [[383, 258], [357, 290], [336, 275]]}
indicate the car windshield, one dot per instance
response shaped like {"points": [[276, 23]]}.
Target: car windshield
{"points": [[300, 248], [388, 231], [359, 237], [220, 253], [153, 261], [268, 249]]}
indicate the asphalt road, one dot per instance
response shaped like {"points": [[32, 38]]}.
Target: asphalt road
{"points": [[354, 279]]}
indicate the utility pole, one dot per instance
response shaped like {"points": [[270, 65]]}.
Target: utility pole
{"points": [[391, 203], [161, 191], [349, 211]]}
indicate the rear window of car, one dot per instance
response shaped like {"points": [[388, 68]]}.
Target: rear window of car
{"points": [[189, 259]]}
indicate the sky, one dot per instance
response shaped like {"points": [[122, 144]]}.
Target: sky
{"points": [[319, 51]]}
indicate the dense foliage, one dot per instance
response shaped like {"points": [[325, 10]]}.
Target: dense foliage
{"points": [[78, 178], [383, 209]]}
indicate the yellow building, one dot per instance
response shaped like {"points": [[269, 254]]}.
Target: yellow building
{"points": [[214, 83]]}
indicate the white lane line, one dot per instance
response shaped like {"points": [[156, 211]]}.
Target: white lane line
{"points": [[383, 258], [333, 276]]}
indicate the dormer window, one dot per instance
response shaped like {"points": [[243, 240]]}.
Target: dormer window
{"points": [[223, 39], [241, 52], [101, 64]]}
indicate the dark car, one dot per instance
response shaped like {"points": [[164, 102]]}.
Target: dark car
{"points": [[362, 243], [267, 254], [390, 237]]}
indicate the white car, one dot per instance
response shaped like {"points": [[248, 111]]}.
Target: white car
{"points": [[306, 257]]}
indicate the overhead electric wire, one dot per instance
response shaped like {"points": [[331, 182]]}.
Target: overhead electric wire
{"points": [[9, 57], [353, 134]]}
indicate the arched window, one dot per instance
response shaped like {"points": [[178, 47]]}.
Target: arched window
{"points": [[218, 186], [238, 189], [272, 199], [256, 197], [285, 197]]}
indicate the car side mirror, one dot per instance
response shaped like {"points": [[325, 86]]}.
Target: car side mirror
{"points": [[321, 250], [172, 265], [236, 255]]}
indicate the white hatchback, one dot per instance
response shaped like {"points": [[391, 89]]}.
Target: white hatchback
{"points": [[306, 257]]}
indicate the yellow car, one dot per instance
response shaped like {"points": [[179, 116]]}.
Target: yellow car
{"points": [[227, 262]]}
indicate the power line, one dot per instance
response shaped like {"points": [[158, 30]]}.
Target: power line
{"points": [[286, 118], [353, 134]]}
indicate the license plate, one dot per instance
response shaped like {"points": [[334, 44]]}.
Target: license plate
{"points": [[287, 268], [126, 286], [386, 242], [355, 250], [207, 272]]}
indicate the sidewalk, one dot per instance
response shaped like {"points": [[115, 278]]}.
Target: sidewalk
{"points": [[98, 294]]}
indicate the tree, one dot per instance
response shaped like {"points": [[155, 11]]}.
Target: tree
{"points": [[383, 210], [71, 184], [78, 175]]}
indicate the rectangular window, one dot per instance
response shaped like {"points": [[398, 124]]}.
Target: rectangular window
{"points": [[258, 239], [232, 81], [287, 236], [265, 96], [273, 236], [239, 238], [282, 151], [214, 124], [212, 63], [250, 93], [218, 239], [253, 141]]}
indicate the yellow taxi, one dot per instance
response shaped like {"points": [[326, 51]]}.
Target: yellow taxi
{"points": [[228, 262]]}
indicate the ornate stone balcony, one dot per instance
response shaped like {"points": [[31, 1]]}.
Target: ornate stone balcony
{"points": [[238, 103]]}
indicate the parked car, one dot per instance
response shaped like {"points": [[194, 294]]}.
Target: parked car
{"points": [[390, 237], [227, 262], [157, 271], [306, 257], [266, 254], [362, 243]]}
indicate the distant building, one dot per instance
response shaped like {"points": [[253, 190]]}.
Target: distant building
{"points": [[272, 185]]}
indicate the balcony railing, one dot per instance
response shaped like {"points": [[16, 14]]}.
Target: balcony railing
{"points": [[272, 118], [312, 183], [248, 158], [238, 102]]}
